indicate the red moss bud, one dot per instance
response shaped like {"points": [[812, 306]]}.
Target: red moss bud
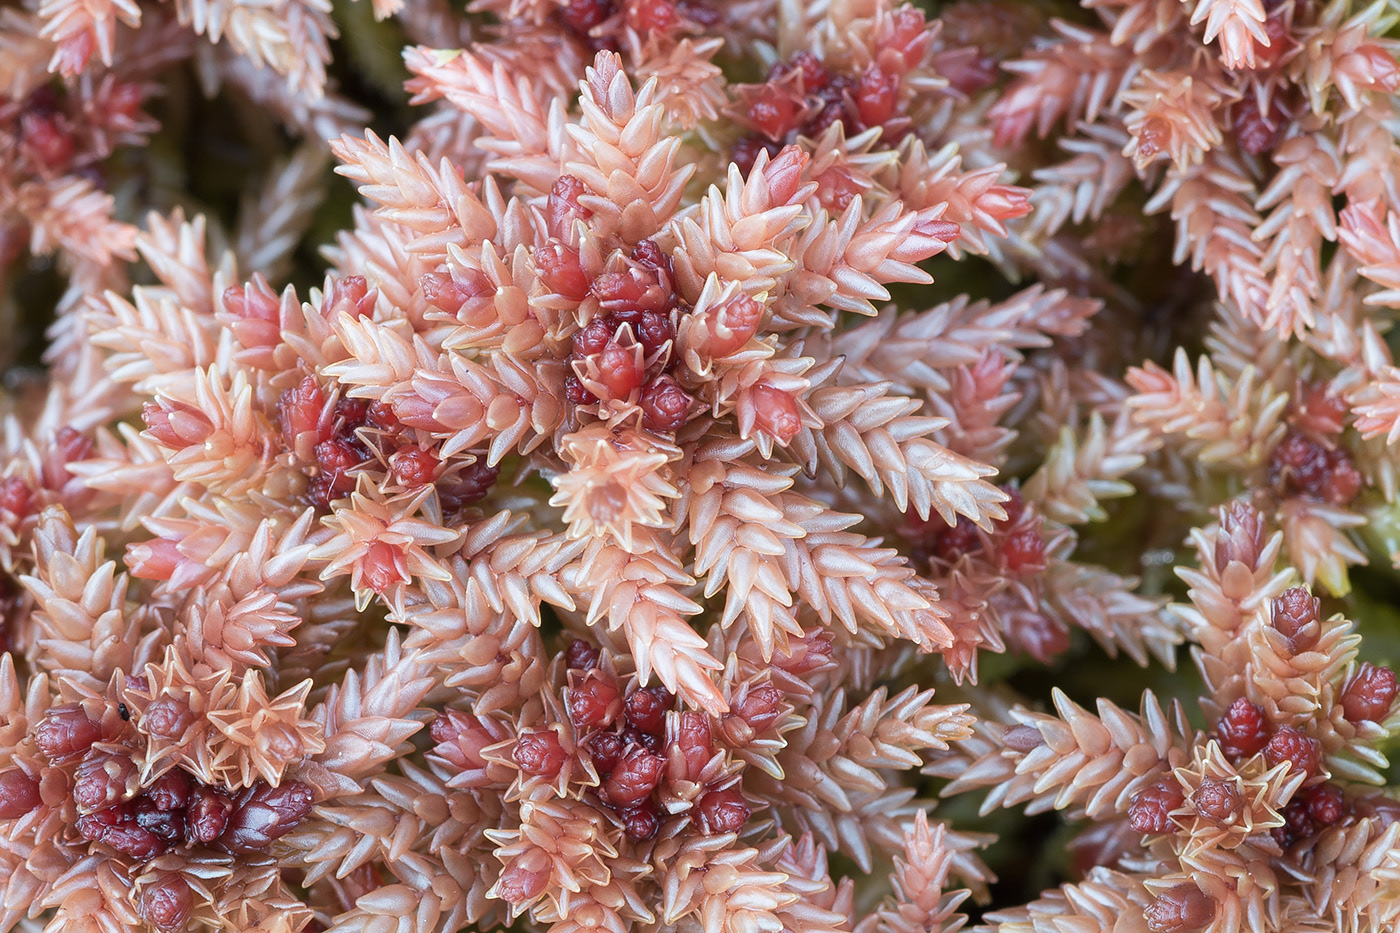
{"points": [[168, 718], [1182, 909], [167, 904], [1217, 801], [760, 707], [1150, 811], [1369, 695], [581, 655], [268, 813], [171, 791], [302, 410], [594, 703], [130, 839], [633, 778], [694, 743], [1241, 536], [620, 369], [560, 271], [413, 466], [1243, 730], [1290, 745], [564, 207], [605, 749], [207, 815], [776, 412], [19, 794], [641, 822], [646, 708], [539, 754], [1326, 804], [350, 295], [1296, 615], [723, 811], [16, 499], [64, 732], [102, 780], [876, 96], [773, 111], [665, 405]]}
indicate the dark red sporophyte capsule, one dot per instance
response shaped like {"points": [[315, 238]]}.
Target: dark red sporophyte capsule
{"points": [[170, 791], [19, 794], [775, 412], [539, 754], [167, 903], [723, 811], [64, 732], [1217, 801], [102, 780], [1182, 909], [582, 655], [1296, 614], [1290, 745], [1326, 804], [1150, 811], [1242, 731], [168, 718], [665, 405], [1369, 695], [876, 96], [646, 708], [633, 778], [605, 749], [594, 703], [207, 815], [564, 207], [560, 271], [641, 822], [413, 466], [268, 813]]}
